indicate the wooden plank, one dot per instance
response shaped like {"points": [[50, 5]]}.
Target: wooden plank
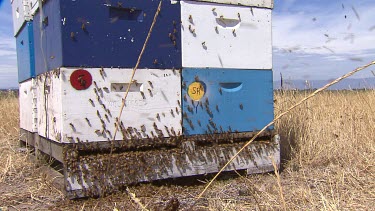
{"points": [[225, 36], [90, 175], [46, 146]]}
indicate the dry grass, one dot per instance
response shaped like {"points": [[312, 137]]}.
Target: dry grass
{"points": [[328, 150]]}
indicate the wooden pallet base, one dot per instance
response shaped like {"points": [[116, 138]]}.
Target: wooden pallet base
{"points": [[96, 174]]}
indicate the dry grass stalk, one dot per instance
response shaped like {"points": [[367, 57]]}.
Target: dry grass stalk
{"points": [[281, 115], [279, 182]]}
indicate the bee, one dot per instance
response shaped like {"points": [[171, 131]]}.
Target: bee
{"points": [[143, 95], [234, 31], [239, 15], [101, 71], [72, 126], [217, 108], [149, 82], [72, 35], [213, 9], [190, 18], [91, 101], [216, 29], [87, 120], [204, 44], [241, 106], [155, 61], [98, 113], [106, 89]]}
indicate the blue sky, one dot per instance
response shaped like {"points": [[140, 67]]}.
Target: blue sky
{"points": [[313, 39]]}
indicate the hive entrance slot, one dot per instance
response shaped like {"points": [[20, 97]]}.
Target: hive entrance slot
{"points": [[227, 23], [129, 14], [231, 87], [121, 87]]}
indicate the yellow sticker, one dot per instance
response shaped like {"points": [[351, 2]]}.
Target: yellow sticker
{"points": [[196, 91]]}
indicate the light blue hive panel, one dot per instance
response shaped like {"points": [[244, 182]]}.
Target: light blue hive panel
{"points": [[234, 100], [25, 52]]}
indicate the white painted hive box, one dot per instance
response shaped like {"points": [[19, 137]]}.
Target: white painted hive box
{"points": [[28, 105], [225, 36], [68, 115], [21, 14]]}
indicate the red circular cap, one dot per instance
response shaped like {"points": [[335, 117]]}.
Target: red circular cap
{"points": [[81, 79]]}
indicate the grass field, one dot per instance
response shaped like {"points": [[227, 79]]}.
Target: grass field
{"points": [[328, 153]]}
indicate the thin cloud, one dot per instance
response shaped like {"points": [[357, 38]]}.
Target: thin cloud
{"points": [[329, 31]]}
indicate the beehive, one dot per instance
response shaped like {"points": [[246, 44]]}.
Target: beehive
{"points": [[202, 88]]}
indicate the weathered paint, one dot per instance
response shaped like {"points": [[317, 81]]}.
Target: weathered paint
{"points": [[234, 100], [28, 106], [83, 114], [251, 3], [90, 33], [25, 52], [90, 175], [21, 14], [34, 6], [225, 36]]}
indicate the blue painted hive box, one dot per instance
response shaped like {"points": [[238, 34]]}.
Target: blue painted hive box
{"points": [[226, 100], [89, 33], [25, 52]]}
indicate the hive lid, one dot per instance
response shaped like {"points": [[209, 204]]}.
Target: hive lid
{"points": [[252, 3]]}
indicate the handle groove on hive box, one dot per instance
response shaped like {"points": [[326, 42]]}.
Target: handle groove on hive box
{"points": [[127, 14], [231, 87]]}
